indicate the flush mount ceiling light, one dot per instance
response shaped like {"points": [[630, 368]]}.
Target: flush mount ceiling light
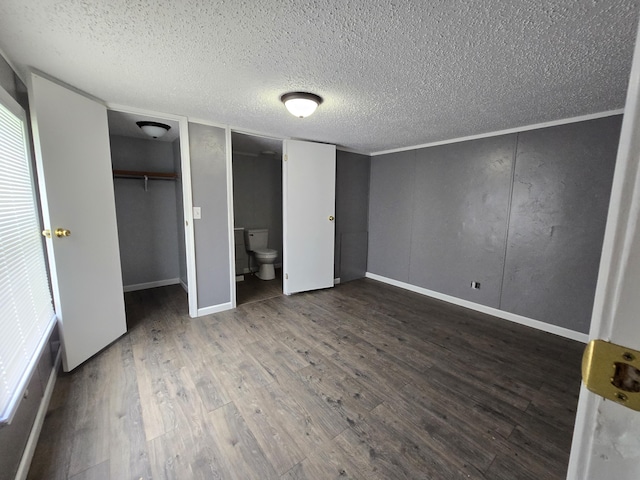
{"points": [[153, 129], [301, 104]]}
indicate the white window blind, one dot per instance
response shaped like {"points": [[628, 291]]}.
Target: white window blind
{"points": [[26, 311]]}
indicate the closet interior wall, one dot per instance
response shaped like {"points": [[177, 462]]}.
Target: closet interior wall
{"points": [[150, 217]]}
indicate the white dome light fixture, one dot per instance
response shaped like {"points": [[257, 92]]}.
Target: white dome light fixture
{"points": [[301, 104], [153, 129]]}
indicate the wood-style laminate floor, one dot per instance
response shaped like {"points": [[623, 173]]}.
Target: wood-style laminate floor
{"points": [[361, 381], [252, 289]]}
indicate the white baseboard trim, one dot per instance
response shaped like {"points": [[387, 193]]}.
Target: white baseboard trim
{"points": [[32, 442], [336, 281], [214, 309], [529, 322], [184, 286], [159, 283]]}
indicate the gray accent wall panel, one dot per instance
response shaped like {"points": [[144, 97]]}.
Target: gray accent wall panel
{"points": [[390, 214], [353, 254], [7, 78], [352, 215], [563, 178], [461, 205], [523, 214], [14, 436], [207, 147]]}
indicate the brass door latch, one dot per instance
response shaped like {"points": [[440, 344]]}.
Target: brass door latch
{"points": [[59, 232], [613, 372]]}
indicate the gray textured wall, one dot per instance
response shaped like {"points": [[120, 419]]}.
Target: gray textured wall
{"points": [[391, 214], [460, 209], [561, 194], [147, 220], [444, 216], [209, 185], [13, 437], [7, 78], [257, 196], [182, 252], [352, 209]]}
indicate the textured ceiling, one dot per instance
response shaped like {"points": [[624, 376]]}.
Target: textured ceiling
{"points": [[124, 124], [255, 145], [392, 73]]}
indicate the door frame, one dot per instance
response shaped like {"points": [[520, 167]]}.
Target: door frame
{"points": [[600, 438], [232, 250], [230, 201], [187, 197], [230, 219]]}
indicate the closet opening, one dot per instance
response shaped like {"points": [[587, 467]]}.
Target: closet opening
{"points": [[147, 182], [257, 215]]}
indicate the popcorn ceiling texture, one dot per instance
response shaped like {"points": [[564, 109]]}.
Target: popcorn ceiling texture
{"points": [[393, 73]]}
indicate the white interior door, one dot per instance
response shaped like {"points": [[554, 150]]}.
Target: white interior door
{"points": [[606, 440], [308, 187], [76, 186]]}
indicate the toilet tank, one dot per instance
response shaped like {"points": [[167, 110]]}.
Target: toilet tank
{"points": [[256, 238]]}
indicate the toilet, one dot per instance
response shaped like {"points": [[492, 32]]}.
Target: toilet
{"points": [[256, 242]]}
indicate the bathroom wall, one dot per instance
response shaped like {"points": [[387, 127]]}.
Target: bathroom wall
{"points": [[523, 214], [257, 195], [352, 208], [182, 255], [207, 147], [147, 220]]}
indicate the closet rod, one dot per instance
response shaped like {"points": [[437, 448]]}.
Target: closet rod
{"points": [[142, 175]]}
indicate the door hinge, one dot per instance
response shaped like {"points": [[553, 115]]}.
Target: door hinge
{"points": [[286, 276], [286, 157], [613, 372]]}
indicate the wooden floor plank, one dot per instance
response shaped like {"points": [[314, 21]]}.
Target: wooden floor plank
{"points": [[97, 472], [360, 381], [284, 429], [328, 462], [90, 444], [127, 443], [240, 454]]}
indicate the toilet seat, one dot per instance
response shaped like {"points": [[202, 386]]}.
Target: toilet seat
{"points": [[265, 253]]}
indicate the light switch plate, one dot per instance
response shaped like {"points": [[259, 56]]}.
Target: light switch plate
{"points": [[197, 214]]}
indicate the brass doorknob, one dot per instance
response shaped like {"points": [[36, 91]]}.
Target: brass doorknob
{"points": [[331, 218], [62, 232]]}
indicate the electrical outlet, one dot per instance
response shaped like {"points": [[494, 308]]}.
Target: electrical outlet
{"points": [[197, 213], [475, 285]]}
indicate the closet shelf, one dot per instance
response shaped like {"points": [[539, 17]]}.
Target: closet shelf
{"points": [[142, 175]]}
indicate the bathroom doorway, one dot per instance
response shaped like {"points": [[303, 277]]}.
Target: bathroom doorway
{"points": [[257, 211]]}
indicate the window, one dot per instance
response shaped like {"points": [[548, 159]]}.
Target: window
{"points": [[26, 311]]}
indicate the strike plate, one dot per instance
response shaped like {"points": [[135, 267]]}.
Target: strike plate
{"points": [[612, 372]]}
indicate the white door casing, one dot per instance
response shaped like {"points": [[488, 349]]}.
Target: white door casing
{"points": [[76, 186], [187, 201], [308, 187], [606, 439]]}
